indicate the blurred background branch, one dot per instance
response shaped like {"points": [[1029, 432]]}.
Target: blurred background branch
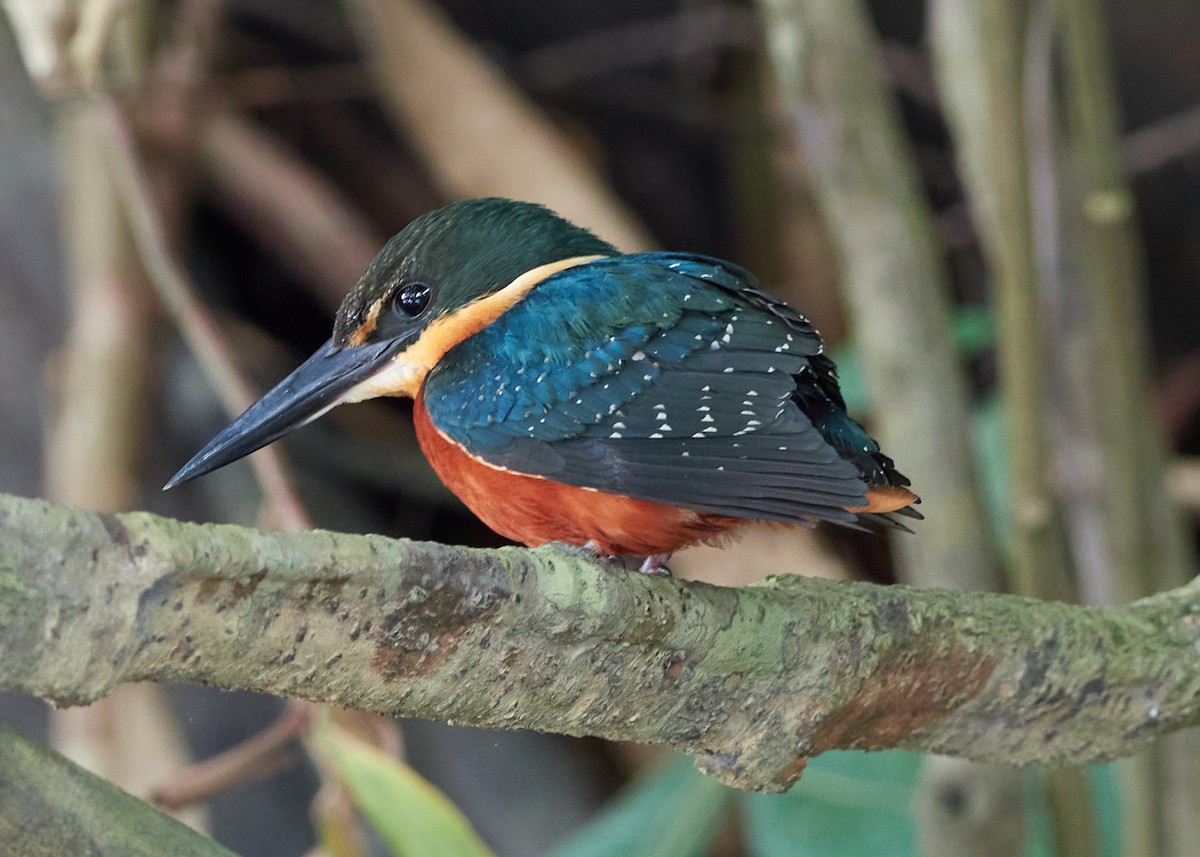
{"points": [[866, 180]]}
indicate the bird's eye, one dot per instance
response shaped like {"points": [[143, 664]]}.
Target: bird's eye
{"points": [[412, 300]]}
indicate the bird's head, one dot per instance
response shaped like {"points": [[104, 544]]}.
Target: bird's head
{"points": [[446, 276]]}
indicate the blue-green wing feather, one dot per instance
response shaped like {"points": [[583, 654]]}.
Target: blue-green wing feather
{"points": [[667, 377]]}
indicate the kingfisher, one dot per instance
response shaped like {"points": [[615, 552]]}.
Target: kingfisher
{"points": [[629, 404]]}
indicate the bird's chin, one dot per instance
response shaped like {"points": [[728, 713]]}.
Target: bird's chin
{"points": [[397, 377]]}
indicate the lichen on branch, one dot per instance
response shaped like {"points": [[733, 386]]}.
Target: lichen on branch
{"points": [[752, 680]]}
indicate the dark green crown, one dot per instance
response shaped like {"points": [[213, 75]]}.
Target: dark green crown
{"points": [[465, 251]]}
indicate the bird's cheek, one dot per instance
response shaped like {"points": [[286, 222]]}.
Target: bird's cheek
{"points": [[398, 377]]}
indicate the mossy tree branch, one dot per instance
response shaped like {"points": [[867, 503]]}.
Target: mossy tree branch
{"points": [[753, 681]]}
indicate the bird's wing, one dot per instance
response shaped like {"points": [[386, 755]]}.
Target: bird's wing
{"points": [[666, 377]]}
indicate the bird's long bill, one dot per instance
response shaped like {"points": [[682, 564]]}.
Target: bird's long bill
{"points": [[313, 388]]}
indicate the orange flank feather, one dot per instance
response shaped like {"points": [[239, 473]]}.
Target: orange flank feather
{"points": [[885, 498], [533, 510]]}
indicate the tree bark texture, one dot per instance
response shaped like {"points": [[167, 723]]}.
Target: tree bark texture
{"points": [[752, 681]]}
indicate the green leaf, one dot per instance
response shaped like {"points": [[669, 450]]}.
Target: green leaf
{"points": [[49, 805], [413, 818], [850, 378], [846, 804], [974, 329], [672, 813]]}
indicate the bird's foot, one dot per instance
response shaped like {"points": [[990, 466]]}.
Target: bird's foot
{"points": [[656, 564], [588, 550]]}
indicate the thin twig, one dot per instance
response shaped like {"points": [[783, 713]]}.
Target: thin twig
{"points": [[197, 325], [91, 37], [275, 85], [258, 757], [477, 132], [315, 231], [1154, 146], [597, 53]]}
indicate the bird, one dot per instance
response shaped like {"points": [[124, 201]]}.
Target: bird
{"points": [[627, 404]]}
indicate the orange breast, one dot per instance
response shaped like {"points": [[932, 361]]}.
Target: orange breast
{"points": [[533, 510]]}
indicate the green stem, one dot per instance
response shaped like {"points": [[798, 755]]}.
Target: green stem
{"points": [[1144, 537], [979, 47], [829, 74]]}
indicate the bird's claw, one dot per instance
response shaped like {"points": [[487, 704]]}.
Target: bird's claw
{"points": [[588, 551], [655, 564]]}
